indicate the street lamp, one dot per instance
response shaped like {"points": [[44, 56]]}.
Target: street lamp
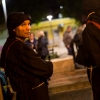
{"points": [[4, 9], [49, 17]]}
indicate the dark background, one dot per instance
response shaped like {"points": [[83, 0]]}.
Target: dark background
{"points": [[39, 9]]}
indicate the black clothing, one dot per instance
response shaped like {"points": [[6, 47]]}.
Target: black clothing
{"points": [[25, 70], [78, 39], [91, 41], [42, 48], [82, 56], [31, 44], [91, 48], [91, 45], [95, 82]]}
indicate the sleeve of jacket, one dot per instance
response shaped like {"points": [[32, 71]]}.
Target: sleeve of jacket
{"points": [[31, 62]]}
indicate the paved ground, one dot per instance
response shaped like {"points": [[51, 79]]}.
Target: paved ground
{"points": [[69, 85], [83, 94], [72, 80]]}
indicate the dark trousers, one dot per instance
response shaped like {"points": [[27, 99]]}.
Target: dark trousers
{"points": [[95, 82], [69, 50]]}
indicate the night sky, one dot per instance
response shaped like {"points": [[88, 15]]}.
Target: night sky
{"points": [[39, 9], [51, 6]]}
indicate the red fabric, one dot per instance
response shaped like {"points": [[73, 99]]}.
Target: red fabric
{"points": [[96, 24]]}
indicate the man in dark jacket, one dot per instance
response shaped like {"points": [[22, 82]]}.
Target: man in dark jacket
{"points": [[27, 72], [91, 45]]}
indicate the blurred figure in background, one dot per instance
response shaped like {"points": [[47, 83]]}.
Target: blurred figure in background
{"points": [[31, 42], [42, 43], [78, 36], [77, 41], [67, 38]]}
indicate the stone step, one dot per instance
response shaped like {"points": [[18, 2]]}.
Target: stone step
{"points": [[67, 81]]}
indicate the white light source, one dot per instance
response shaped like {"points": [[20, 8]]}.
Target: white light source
{"points": [[60, 15], [4, 9], [49, 17], [61, 7]]}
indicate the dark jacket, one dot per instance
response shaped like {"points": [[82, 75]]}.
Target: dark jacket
{"points": [[34, 43], [25, 69], [91, 42], [42, 46]]}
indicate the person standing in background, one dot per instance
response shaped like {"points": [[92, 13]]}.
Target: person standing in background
{"points": [[31, 42], [67, 39], [42, 44], [27, 72], [77, 41]]}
